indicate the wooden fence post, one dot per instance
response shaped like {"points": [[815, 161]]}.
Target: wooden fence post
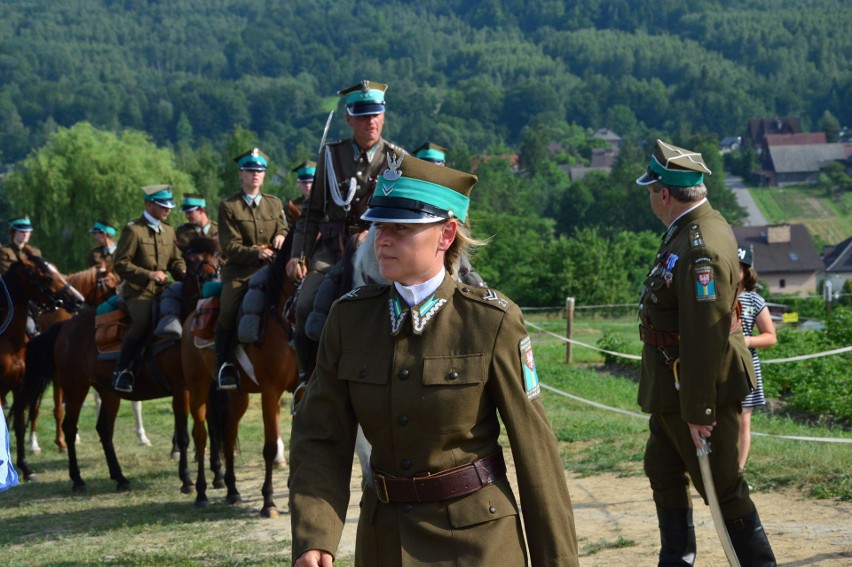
{"points": [[569, 323]]}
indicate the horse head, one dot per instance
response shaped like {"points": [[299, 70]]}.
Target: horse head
{"points": [[47, 287], [203, 262]]}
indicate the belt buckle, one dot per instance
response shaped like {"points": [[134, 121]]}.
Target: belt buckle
{"points": [[380, 480]]}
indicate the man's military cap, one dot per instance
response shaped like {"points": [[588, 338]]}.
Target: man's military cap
{"points": [[671, 165], [192, 201], [431, 152], [21, 224], [745, 254], [160, 194], [106, 227], [364, 98], [305, 171], [415, 191], [252, 160]]}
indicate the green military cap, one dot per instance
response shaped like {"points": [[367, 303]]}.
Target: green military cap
{"points": [[431, 152], [22, 224], [305, 171], [252, 160], [160, 194], [192, 201], [415, 191], [671, 165], [364, 98], [106, 227]]}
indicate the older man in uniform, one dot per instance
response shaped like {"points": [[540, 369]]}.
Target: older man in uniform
{"points": [[305, 174], [252, 228], [147, 248], [696, 368], [20, 231], [198, 224], [345, 176], [104, 234]]}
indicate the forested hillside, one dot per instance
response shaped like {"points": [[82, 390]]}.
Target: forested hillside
{"points": [[98, 97]]}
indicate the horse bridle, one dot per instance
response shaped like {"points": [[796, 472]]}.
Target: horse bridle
{"points": [[56, 297]]}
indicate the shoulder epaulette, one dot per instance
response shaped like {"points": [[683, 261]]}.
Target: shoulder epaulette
{"points": [[270, 196], [485, 295], [364, 292], [337, 142], [695, 238]]}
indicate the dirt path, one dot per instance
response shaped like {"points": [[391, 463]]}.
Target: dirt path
{"points": [[606, 508]]}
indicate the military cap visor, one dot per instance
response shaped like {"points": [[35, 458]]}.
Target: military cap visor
{"points": [[364, 99], [305, 171], [21, 224], [191, 203], [253, 160], [101, 226]]}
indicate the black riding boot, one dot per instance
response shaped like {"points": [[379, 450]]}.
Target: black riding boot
{"points": [[677, 537], [305, 351], [123, 376], [227, 376], [750, 541]]}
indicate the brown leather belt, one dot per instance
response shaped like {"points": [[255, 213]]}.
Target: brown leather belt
{"points": [[659, 339], [444, 485]]}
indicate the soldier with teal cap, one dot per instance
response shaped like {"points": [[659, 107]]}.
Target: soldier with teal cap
{"points": [[103, 232], [252, 229], [198, 224], [431, 152], [20, 231], [345, 177], [696, 369], [305, 174], [426, 365], [146, 250]]}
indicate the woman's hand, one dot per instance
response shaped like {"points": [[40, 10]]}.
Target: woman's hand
{"points": [[314, 558]]}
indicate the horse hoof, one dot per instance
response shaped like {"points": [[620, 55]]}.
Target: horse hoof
{"points": [[234, 499], [202, 504], [145, 442], [271, 512], [175, 455], [32, 477], [35, 451], [123, 487], [218, 483], [187, 488], [280, 464], [80, 488]]}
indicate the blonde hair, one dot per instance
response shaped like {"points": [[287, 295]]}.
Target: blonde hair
{"points": [[463, 246]]}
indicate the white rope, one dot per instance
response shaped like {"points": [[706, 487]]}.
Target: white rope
{"points": [[572, 341], [807, 356], [334, 188]]}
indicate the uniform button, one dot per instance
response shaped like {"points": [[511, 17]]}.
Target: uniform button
{"points": [[403, 374], [407, 507], [708, 411], [466, 289], [492, 509], [260, 231], [453, 375], [405, 464], [362, 373], [402, 420]]}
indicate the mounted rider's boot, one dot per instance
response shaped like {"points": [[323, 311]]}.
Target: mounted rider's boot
{"points": [[122, 380], [750, 541], [227, 376], [677, 537], [305, 350]]}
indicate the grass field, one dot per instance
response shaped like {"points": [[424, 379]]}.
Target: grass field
{"points": [[44, 523], [829, 220]]}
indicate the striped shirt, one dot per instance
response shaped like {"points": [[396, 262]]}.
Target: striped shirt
{"points": [[752, 305]]}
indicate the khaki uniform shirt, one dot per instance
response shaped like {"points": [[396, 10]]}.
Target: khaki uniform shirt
{"points": [[322, 216], [187, 231], [690, 291], [243, 228], [426, 384], [140, 251], [10, 254]]}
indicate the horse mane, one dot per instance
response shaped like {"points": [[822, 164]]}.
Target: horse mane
{"points": [[202, 245], [84, 279], [365, 265]]}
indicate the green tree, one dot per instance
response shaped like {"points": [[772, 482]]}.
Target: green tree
{"points": [[80, 174], [829, 124]]}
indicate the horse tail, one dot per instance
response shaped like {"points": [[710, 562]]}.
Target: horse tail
{"points": [[39, 373]]}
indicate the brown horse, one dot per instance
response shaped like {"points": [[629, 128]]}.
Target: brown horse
{"points": [[268, 368], [30, 281], [67, 353]]}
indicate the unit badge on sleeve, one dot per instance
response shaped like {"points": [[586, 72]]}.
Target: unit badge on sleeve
{"points": [[531, 384]]}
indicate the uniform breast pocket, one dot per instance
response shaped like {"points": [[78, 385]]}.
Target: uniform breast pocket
{"points": [[367, 377], [452, 391]]}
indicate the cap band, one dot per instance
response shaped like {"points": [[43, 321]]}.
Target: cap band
{"points": [[257, 162], [22, 224], [418, 190], [162, 195], [370, 96], [101, 227], [190, 203], [306, 173], [675, 177], [431, 155]]}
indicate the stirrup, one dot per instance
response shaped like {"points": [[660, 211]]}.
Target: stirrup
{"points": [[123, 381], [226, 382]]}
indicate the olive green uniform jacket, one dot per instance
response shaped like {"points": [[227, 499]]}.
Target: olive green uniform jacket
{"points": [[242, 229], [10, 254], [187, 231], [322, 216], [428, 398]]}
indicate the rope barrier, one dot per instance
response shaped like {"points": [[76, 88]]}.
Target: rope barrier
{"points": [[572, 341]]}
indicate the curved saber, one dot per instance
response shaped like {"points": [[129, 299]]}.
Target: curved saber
{"points": [[713, 501], [308, 208]]}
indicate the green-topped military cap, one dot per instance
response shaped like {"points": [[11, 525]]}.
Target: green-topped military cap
{"points": [[160, 194], [415, 191], [21, 223], [431, 152], [364, 98], [671, 165], [305, 171], [252, 160], [104, 226], [192, 201]]}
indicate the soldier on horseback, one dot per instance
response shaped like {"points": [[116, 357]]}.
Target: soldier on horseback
{"points": [[146, 249], [104, 234], [20, 231], [194, 206]]}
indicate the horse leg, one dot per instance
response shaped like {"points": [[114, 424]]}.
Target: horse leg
{"points": [[280, 460], [180, 402], [140, 427], [69, 429], [20, 427], [34, 446], [271, 435], [239, 404], [198, 409], [106, 429], [58, 412]]}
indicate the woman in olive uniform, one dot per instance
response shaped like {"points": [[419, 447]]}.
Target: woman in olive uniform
{"points": [[20, 231], [251, 229], [425, 365]]}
